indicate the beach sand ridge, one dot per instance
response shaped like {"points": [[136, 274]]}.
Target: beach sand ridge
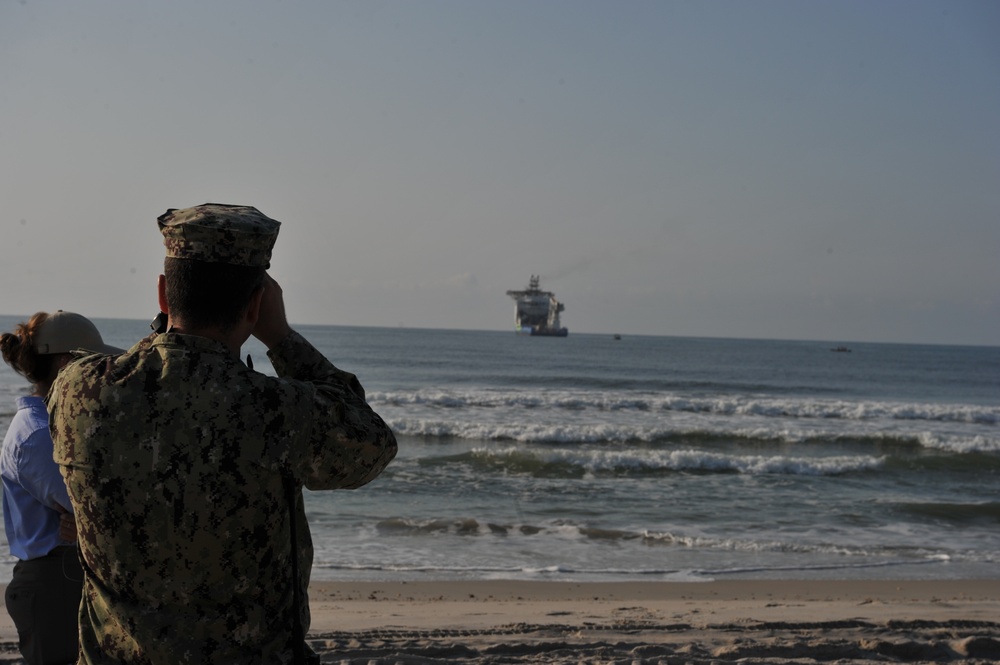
{"points": [[737, 621]]}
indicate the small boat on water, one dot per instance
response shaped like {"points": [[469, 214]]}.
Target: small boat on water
{"points": [[840, 349]]}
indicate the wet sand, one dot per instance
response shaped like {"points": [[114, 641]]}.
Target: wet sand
{"points": [[738, 621]]}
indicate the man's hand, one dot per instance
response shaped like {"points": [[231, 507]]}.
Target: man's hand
{"points": [[67, 525], [272, 326]]}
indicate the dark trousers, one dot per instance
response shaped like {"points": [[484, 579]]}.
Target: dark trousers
{"points": [[43, 599]]}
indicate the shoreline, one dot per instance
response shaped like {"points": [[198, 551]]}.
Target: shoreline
{"points": [[747, 621]]}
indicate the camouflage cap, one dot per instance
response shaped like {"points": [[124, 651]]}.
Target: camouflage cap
{"points": [[219, 233]]}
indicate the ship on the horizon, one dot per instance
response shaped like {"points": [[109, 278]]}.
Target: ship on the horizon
{"points": [[537, 311]]}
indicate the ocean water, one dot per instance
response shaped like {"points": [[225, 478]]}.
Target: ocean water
{"points": [[660, 458]]}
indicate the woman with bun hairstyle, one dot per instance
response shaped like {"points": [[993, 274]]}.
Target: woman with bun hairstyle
{"points": [[43, 598]]}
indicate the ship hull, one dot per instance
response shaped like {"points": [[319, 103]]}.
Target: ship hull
{"points": [[548, 332]]}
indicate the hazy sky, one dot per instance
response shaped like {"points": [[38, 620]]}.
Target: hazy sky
{"points": [[783, 169]]}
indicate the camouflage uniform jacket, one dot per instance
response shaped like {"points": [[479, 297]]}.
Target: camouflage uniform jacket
{"points": [[175, 455]]}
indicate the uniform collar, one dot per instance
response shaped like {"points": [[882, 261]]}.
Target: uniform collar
{"points": [[193, 342]]}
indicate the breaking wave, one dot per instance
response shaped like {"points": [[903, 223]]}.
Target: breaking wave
{"points": [[562, 400], [570, 431], [473, 528], [601, 461]]}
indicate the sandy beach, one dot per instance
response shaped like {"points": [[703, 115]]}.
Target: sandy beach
{"points": [[949, 621]]}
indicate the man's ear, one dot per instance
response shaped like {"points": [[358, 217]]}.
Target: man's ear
{"points": [[253, 307], [161, 291]]}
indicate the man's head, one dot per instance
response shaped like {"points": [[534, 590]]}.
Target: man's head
{"points": [[217, 256]]}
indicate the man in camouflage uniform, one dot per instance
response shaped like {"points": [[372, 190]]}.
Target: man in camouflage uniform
{"points": [[185, 467]]}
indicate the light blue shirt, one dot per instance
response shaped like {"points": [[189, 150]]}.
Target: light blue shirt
{"points": [[33, 488]]}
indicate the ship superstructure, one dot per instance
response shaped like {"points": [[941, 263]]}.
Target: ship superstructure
{"points": [[537, 311]]}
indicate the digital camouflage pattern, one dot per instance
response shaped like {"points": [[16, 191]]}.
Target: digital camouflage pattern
{"points": [[174, 455], [219, 233]]}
